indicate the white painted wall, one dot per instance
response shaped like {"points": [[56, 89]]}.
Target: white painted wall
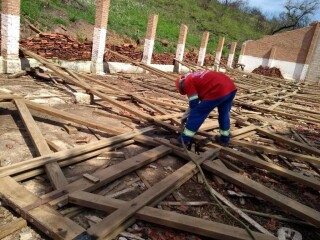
{"points": [[10, 34], [201, 57], [148, 50], [252, 62], [99, 43], [230, 60], [289, 70]]}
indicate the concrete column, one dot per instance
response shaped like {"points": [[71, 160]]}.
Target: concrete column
{"points": [[272, 57], [203, 48], [150, 37], [180, 47], [10, 35], [242, 52], [219, 53], [99, 36], [231, 54]]}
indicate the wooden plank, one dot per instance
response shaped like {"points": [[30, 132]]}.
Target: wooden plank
{"points": [[71, 117], [12, 227], [91, 178], [69, 153], [275, 151], [243, 130], [53, 170], [4, 96], [74, 160], [43, 217], [289, 142], [307, 181], [167, 218], [280, 113], [301, 211], [109, 174], [159, 191]]}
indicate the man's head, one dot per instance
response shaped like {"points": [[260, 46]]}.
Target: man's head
{"points": [[180, 83]]}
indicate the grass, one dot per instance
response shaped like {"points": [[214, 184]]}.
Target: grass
{"points": [[129, 17]]}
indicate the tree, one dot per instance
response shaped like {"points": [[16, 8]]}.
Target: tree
{"points": [[296, 15], [234, 3]]}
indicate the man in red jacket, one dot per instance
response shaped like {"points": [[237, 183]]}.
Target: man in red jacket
{"points": [[206, 90]]}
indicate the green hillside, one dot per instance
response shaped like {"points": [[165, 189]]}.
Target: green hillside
{"points": [[129, 17]]}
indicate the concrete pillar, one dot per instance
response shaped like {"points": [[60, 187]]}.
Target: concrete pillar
{"points": [[242, 52], [99, 36], [217, 59], [10, 35], [231, 54], [180, 47], [203, 48], [272, 57], [150, 37]]}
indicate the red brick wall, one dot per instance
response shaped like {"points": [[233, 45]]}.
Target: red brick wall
{"points": [[292, 46], [102, 13], [11, 7]]}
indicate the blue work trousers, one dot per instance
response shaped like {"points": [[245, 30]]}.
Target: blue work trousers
{"points": [[199, 113]]}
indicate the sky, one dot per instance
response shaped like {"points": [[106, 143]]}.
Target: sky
{"points": [[274, 7]]}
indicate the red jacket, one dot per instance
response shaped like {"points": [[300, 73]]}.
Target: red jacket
{"points": [[209, 85]]}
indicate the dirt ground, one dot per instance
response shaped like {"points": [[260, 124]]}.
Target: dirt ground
{"points": [[15, 146]]}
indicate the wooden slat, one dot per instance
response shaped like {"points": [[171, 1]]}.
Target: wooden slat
{"points": [[289, 142], [111, 173], [71, 117], [53, 170], [74, 160], [307, 181], [167, 218], [43, 217], [275, 151], [12, 227], [69, 153], [159, 191], [304, 212]]}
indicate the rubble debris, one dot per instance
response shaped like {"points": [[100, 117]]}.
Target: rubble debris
{"points": [[267, 71]]}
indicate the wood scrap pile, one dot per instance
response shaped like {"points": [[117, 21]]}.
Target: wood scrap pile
{"points": [[271, 168], [267, 71]]}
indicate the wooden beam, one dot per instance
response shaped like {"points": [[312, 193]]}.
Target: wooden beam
{"points": [[275, 151], [289, 142], [74, 160], [304, 212], [153, 195], [307, 181], [71, 117], [43, 217], [9, 228], [109, 174], [69, 153], [168, 218], [53, 170]]}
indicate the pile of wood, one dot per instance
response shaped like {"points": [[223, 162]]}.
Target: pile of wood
{"points": [[263, 159], [267, 71]]}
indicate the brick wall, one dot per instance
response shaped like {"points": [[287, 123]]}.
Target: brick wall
{"points": [[10, 7], [292, 46], [102, 13]]}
